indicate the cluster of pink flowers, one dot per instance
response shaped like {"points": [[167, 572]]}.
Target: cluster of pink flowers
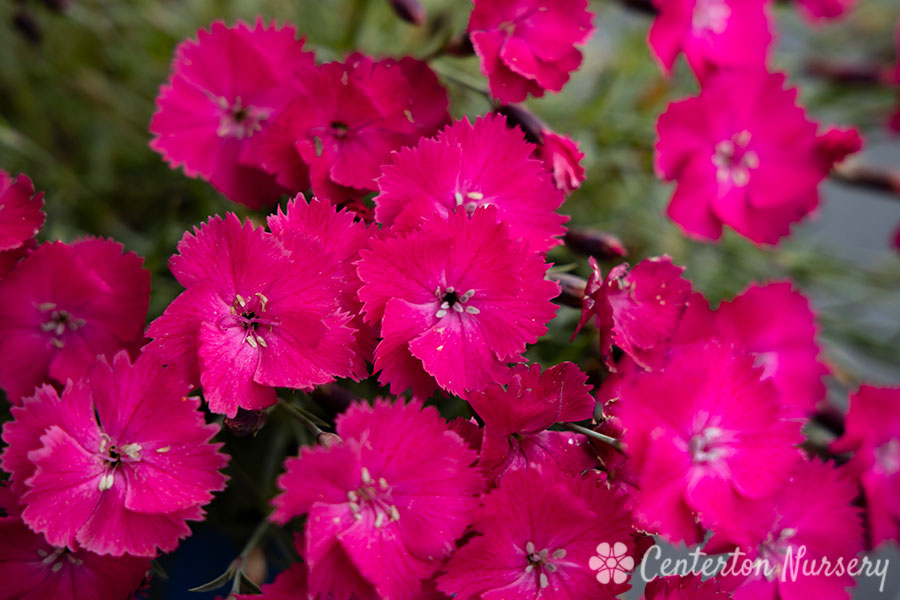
{"points": [[420, 260], [742, 152]]}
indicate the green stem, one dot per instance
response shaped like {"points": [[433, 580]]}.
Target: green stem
{"points": [[300, 416], [354, 23], [596, 435]]}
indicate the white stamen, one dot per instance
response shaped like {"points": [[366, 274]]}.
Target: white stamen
{"points": [[132, 451], [459, 199], [352, 496], [467, 296], [382, 483], [366, 476], [164, 449], [550, 567], [241, 300], [458, 307], [261, 342], [45, 306], [472, 310], [106, 482], [262, 300], [441, 314], [379, 520], [560, 553], [529, 548], [475, 195], [544, 581], [56, 567], [251, 341], [529, 568], [395, 514]]}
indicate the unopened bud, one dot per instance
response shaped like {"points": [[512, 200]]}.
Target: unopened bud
{"points": [[410, 11], [327, 440], [572, 288], [599, 244], [460, 46], [26, 25], [528, 122], [245, 422]]}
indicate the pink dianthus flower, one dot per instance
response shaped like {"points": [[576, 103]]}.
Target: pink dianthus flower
{"points": [[705, 435], [21, 216], [346, 121], [637, 311], [745, 155], [470, 165], [65, 305], [528, 46], [226, 88], [254, 316], [872, 433], [32, 569], [117, 464], [457, 300], [516, 419], [385, 506], [538, 531], [713, 34]]}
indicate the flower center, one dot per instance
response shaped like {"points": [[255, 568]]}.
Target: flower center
{"points": [[887, 457], [57, 322], [239, 121], [55, 560], [734, 161], [710, 17], [774, 549], [340, 129], [450, 300], [114, 455], [249, 315], [469, 200], [541, 563], [707, 445], [373, 496]]}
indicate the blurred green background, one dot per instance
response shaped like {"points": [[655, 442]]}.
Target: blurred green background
{"points": [[77, 89]]}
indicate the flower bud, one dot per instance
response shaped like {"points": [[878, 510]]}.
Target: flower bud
{"points": [[599, 244], [245, 422]]}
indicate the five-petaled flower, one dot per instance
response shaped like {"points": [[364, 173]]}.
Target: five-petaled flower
{"points": [[612, 563]]}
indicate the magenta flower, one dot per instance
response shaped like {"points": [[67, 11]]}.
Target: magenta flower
{"points": [[813, 511], [712, 34], [744, 155], [347, 120], [528, 46], [254, 317], [638, 311], [317, 228], [117, 464], [457, 301], [21, 216], [562, 159], [705, 436], [467, 166], [872, 433], [227, 87], [65, 305], [538, 532], [516, 419], [689, 587], [32, 569], [386, 506], [777, 325]]}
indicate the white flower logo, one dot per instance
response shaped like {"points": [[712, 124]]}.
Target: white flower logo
{"points": [[612, 563]]}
